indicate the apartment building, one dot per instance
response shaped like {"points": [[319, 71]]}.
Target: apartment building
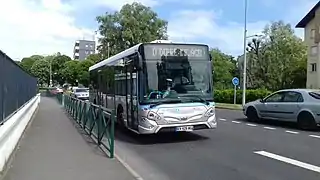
{"points": [[83, 48], [311, 25]]}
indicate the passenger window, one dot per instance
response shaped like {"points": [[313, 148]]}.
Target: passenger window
{"points": [[275, 97], [293, 97]]}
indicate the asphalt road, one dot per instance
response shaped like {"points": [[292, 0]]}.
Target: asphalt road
{"points": [[236, 150]]}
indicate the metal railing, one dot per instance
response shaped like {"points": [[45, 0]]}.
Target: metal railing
{"points": [[95, 120], [16, 87]]}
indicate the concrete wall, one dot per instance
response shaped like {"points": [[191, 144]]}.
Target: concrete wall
{"points": [[12, 130]]}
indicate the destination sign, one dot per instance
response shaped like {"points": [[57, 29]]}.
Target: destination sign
{"points": [[156, 51]]}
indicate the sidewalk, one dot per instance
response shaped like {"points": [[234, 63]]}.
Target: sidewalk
{"points": [[54, 149]]}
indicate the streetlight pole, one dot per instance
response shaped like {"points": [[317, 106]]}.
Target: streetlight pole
{"points": [[50, 73], [244, 55]]}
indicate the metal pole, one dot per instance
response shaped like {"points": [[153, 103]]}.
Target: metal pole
{"points": [[235, 95], [244, 55], [50, 74]]}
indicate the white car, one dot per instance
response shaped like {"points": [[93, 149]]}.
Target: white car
{"points": [[81, 93], [292, 105]]}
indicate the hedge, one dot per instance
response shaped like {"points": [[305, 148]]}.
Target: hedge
{"points": [[226, 95]]}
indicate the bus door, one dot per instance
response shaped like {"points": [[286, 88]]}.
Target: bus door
{"points": [[131, 99]]}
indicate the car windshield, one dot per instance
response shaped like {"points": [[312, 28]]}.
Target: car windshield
{"points": [[82, 90], [177, 77]]}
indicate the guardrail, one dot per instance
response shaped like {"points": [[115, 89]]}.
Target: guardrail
{"points": [[95, 120]]}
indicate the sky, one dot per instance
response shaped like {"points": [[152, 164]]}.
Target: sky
{"points": [[29, 27]]}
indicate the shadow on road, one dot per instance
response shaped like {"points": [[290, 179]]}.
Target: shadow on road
{"points": [[131, 137], [283, 124]]}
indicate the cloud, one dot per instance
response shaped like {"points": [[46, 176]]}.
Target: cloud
{"points": [[37, 27], [200, 25]]}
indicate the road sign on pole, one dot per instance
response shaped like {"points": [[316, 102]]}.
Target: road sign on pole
{"points": [[235, 82]]}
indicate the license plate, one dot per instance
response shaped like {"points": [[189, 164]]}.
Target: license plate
{"points": [[184, 128]]}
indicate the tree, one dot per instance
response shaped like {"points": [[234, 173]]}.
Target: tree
{"points": [[94, 58], [40, 69], [224, 69], [83, 76], [58, 64], [133, 24], [71, 72], [27, 62], [278, 60]]}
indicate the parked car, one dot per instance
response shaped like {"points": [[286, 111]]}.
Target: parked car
{"points": [[80, 93], [293, 105]]}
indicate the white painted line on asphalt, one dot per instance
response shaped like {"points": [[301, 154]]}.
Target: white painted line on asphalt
{"points": [[292, 132], [289, 161], [271, 128], [315, 136], [222, 119], [253, 125], [237, 122], [128, 167]]}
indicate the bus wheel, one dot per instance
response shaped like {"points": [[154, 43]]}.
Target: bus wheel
{"points": [[120, 119]]}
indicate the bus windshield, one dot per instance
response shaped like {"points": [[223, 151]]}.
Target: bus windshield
{"points": [[176, 75]]}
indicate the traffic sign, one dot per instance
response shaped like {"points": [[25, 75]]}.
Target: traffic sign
{"points": [[235, 81]]}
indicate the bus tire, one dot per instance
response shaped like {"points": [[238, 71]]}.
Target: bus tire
{"points": [[120, 120]]}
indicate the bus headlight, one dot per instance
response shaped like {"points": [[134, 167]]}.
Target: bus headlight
{"points": [[153, 116], [210, 112]]}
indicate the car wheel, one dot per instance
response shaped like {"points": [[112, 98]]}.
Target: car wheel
{"points": [[252, 114], [306, 121]]}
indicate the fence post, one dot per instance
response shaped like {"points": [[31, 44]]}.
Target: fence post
{"points": [[113, 115], [62, 99]]}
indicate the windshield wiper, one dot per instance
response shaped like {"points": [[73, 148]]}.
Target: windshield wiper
{"points": [[164, 102], [200, 98]]}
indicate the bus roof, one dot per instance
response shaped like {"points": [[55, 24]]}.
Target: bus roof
{"points": [[118, 56]]}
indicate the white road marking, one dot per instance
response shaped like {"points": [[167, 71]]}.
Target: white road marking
{"points": [[253, 125], [221, 119], [289, 161], [292, 132], [271, 128], [315, 136], [237, 122]]}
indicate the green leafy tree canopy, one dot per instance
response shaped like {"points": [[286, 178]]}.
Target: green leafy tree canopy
{"points": [[133, 24]]}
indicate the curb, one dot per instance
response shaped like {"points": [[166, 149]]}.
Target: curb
{"points": [[229, 108]]}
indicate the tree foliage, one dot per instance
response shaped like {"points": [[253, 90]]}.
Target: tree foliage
{"points": [[133, 24], [224, 69], [40, 69], [27, 62], [83, 68], [95, 58], [276, 61]]}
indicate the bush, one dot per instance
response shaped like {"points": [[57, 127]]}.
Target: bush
{"points": [[226, 95]]}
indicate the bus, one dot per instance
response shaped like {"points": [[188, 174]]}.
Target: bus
{"points": [[157, 87]]}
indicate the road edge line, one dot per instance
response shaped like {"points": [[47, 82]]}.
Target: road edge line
{"points": [[128, 167]]}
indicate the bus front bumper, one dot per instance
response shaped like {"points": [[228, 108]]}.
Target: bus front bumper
{"points": [[151, 127]]}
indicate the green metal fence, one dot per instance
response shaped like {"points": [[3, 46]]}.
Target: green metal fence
{"points": [[96, 120]]}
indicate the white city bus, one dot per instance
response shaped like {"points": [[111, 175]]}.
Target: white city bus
{"points": [[157, 87]]}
